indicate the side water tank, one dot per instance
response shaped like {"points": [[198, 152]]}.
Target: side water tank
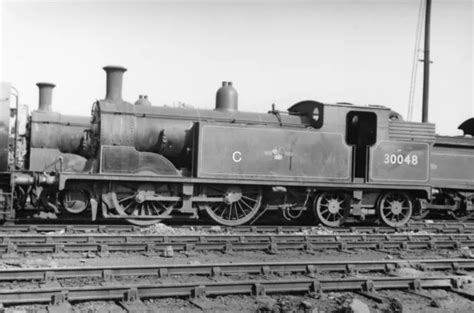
{"points": [[227, 98]]}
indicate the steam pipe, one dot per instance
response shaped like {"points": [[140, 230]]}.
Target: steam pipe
{"points": [[114, 82], [45, 96]]}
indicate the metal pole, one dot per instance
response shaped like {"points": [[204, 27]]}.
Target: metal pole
{"points": [[426, 63]]}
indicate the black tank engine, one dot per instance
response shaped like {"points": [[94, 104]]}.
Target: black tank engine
{"points": [[145, 163]]}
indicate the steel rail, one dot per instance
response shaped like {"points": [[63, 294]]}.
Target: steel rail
{"points": [[227, 238], [256, 288], [312, 268], [435, 227], [152, 243]]}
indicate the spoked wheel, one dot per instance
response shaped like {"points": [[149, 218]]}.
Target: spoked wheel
{"points": [[462, 214], [136, 201], [239, 204], [395, 208], [332, 208]]}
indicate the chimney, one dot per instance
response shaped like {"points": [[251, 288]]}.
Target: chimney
{"points": [[114, 82], [45, 96]]}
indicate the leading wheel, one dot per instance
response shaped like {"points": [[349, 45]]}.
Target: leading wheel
{"points": [[239, 204], [332, 208], [137, 201], [394, 208]]}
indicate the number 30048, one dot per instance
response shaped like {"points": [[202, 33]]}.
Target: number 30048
{"points": [[400, 159]]}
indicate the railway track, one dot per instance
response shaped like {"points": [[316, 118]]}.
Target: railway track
{"points": [[10, 245], [308, 268], [133, 292], [103, 287], [431, 227]]}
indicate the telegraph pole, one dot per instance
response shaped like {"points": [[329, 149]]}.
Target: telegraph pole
{"points": [[426, 63]]}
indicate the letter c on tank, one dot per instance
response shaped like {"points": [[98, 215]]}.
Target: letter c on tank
{"points": [[237, 156]]}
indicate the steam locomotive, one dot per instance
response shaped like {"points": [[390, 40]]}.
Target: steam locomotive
{"points": [[144, 163]]}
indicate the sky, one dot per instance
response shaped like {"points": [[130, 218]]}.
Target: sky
{"points": [[281, 52]]}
